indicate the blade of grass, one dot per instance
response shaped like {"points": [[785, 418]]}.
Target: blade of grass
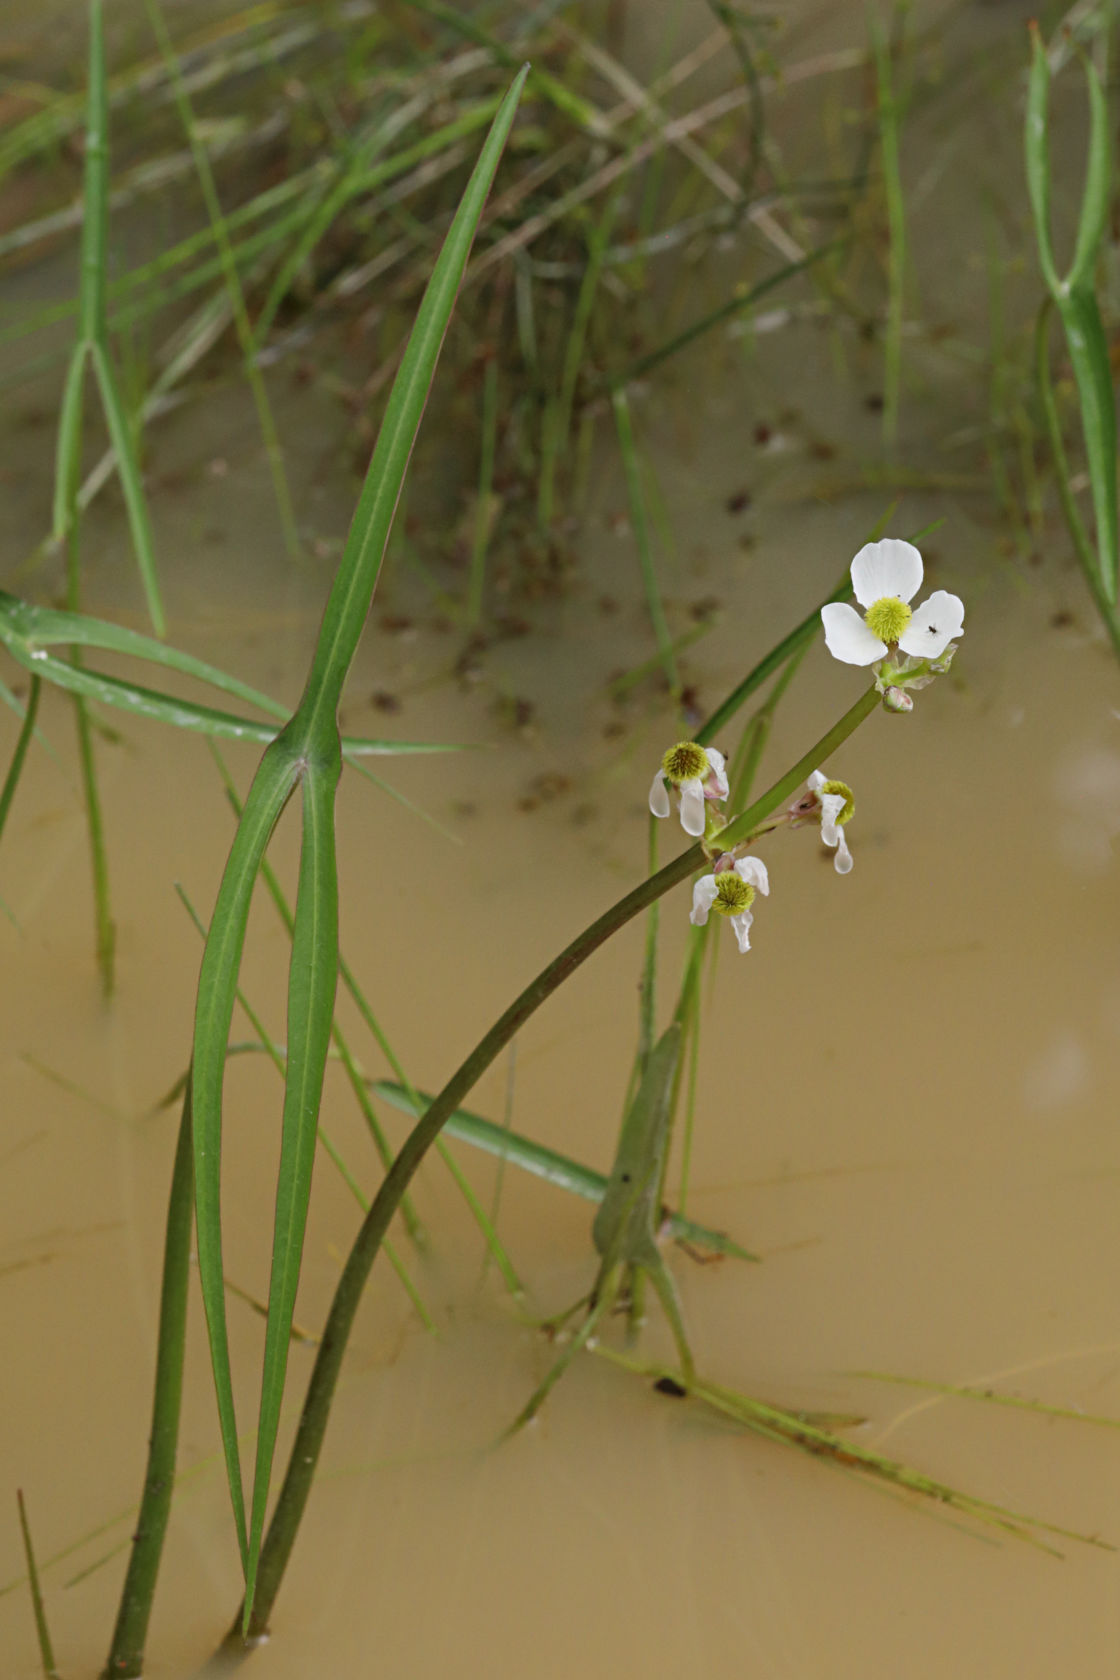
{"points": [[798, 1429], [93, 342], [1074, 296], [359, 1085], [217, 988], [724, 312], [277, 1057], [126, 1649], [106, 932], [42, 1632], [313, 975], [631, 468], [307, 751], [992, 1397], [23, 741], [231, 278], [558, 413], [1074, 523], [887, 106], [483, 518], [27, 630], [283, 910]]}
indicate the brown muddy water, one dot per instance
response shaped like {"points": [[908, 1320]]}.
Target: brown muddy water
{"points": [[907, 1098]]}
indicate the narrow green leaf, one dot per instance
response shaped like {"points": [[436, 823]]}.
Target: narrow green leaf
{"points": [[69, 445], [93, 334], [95, 192], [26, 631], [27, 729], [217, 988], [231, 278], [128, 471], [46, 1652], [1098, 185], [1037, 153], [631, 468], [724, 312], [312, 979], [308, 747], [1092, 372], [353, 587], [1074, 522], [126, 1649]]}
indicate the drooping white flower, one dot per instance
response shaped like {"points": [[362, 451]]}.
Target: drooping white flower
{"points": [[837, 806], [730, 892], [699, 774], [886, 576]]}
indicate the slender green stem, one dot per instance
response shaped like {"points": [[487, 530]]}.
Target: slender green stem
{"points": [[1075, 298], [484, 513], [42, 1631], [647, 996], [27, 729], [896, 232], [1074, 522], [106, 932], [308, 1443], [232, 279], [126, 1650], [632, 469]]}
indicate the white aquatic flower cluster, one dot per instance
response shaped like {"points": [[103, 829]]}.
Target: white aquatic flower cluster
{"points": [[908, 647], [698, 775], [885, 578]]}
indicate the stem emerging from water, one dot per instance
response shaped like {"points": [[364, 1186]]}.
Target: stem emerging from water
{"points": [[126, 1652]]}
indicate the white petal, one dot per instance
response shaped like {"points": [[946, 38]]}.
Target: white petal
{"points": [[741, 923], [843, 858], [889, 567], [831, 806], [753, 870], [719, 770], [703, 897], [936, 623], [848, 637], [692, 807], [658, 797], [818, 778]]}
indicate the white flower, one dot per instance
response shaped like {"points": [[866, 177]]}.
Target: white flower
{"points": [[836, 807], [886, 576], [699, 774], [730, 892]]}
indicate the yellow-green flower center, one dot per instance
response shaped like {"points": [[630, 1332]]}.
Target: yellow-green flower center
{"points": [[686, 762], [849, 809], [888, 618], [733, 894]]}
